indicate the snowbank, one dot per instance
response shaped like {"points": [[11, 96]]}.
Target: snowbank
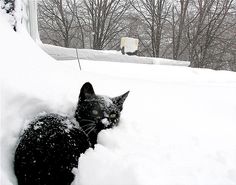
{"points": [[177, 126], [31, 83]]}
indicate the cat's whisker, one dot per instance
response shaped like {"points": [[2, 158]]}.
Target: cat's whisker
{"points": [[89, 131], [88, 125], [87, 120], [94, 128], [89, 128]]}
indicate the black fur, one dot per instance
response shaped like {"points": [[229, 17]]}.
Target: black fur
{"points": [[50, 147]]}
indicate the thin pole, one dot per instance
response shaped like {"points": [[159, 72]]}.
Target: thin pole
{"points": [[78, 59]]}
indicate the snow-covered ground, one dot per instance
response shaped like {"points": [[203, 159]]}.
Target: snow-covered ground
{"points": [[178, 126]]}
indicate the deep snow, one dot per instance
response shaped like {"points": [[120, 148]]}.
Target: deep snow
{"points": [[178, 124]]}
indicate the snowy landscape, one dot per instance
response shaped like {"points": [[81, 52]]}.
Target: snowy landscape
{"points": [[178, 125]]}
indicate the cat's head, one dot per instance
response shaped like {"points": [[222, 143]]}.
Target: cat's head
{"points": [[95, 113]]}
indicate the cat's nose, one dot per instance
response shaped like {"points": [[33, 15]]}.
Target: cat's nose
{"points": [[105, 122]]}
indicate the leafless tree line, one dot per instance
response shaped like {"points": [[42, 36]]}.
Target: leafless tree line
{"points": [[201, 31], [82, 23]]}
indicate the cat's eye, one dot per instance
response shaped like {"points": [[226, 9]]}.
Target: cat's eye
{"points": [[112, 116], [95, 112]]}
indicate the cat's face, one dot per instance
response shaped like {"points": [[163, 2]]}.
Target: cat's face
{"points": [[95, 113]]}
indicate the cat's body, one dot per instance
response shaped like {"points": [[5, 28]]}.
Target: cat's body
{"points": [[49, 148], [51, 145]]}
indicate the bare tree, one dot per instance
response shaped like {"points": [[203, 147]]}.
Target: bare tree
{"points": [[58, 22], [197, 30], [178, 23], [105, 19], [205, 27], [154, 14]]}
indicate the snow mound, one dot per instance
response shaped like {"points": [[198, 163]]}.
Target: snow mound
{"points": [[177, 126]]}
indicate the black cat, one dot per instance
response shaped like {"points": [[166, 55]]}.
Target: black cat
{"points": [[50, 147]]}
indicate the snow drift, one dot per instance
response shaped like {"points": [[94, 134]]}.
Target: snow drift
{"points": [[178, 124]]}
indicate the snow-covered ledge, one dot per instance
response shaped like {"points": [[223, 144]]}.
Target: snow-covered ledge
{"points": [[61, 53]]}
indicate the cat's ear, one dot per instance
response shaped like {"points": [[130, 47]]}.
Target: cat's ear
{"points": [[86, 91], [119, 100]]}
